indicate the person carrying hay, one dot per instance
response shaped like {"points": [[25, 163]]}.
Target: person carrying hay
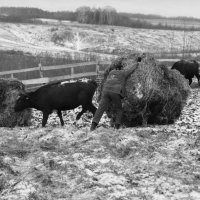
{"points": [[113, 92]]}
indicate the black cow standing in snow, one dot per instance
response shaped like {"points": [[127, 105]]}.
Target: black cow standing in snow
{"points": [[188, 68], [59, 96]]}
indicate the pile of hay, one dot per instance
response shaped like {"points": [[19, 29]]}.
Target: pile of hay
{"points": [[9, 92], [154, 93]]}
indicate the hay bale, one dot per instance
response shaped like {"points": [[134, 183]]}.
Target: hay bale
{"points": [[154, 93], [9, 91]]}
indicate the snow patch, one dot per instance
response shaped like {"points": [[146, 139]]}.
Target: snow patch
{"points": [[108, 179]]}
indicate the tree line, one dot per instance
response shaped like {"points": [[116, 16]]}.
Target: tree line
{"points": [[24, 13], [84, 14]]}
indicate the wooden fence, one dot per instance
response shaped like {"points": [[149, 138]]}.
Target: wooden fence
{"points": [[72, 75], [42, 69]]}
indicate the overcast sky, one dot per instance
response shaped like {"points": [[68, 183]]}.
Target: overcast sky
{"points": [[189, 8]]}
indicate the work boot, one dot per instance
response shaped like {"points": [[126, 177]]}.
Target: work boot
{"points": [[93, 126]]}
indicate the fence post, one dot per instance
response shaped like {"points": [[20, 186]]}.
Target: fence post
{"points": [[98, 79], [98, 75], [40, 70], [72, 72], [12, 76], [97, 68]]}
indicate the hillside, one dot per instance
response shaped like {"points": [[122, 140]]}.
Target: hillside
{"points": [[85, 40]]}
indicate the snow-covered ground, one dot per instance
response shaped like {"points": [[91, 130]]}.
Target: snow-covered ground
{"points": [[93, 39], [70, 162]]}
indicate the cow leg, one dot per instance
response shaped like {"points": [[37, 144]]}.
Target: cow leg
{"points": [[81, 113], [60, 116], [190, 81], [198, 78], [45, 118], [92, 109]]}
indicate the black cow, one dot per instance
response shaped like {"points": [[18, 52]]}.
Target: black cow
{"points": [[188, 68], [59, 96]]}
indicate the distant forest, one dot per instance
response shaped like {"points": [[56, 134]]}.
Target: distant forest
{"points": [[87, 15]]}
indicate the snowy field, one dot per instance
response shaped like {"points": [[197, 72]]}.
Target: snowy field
{"points": [[101, 40], [70, 162]]}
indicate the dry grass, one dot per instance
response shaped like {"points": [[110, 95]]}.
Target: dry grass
{"points": [[143, 163], [151, 163], [9, 91], [155, 94]]}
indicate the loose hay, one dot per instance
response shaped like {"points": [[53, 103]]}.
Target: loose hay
{"points": [[154, 93], [9, 91]]}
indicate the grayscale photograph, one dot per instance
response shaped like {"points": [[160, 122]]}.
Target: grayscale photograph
{"points": [[99, 100]]}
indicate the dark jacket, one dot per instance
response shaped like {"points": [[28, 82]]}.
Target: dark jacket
{"points": [[116, 81]]}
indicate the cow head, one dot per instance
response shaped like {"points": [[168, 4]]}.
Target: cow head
{"points": [[23, 101]]}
